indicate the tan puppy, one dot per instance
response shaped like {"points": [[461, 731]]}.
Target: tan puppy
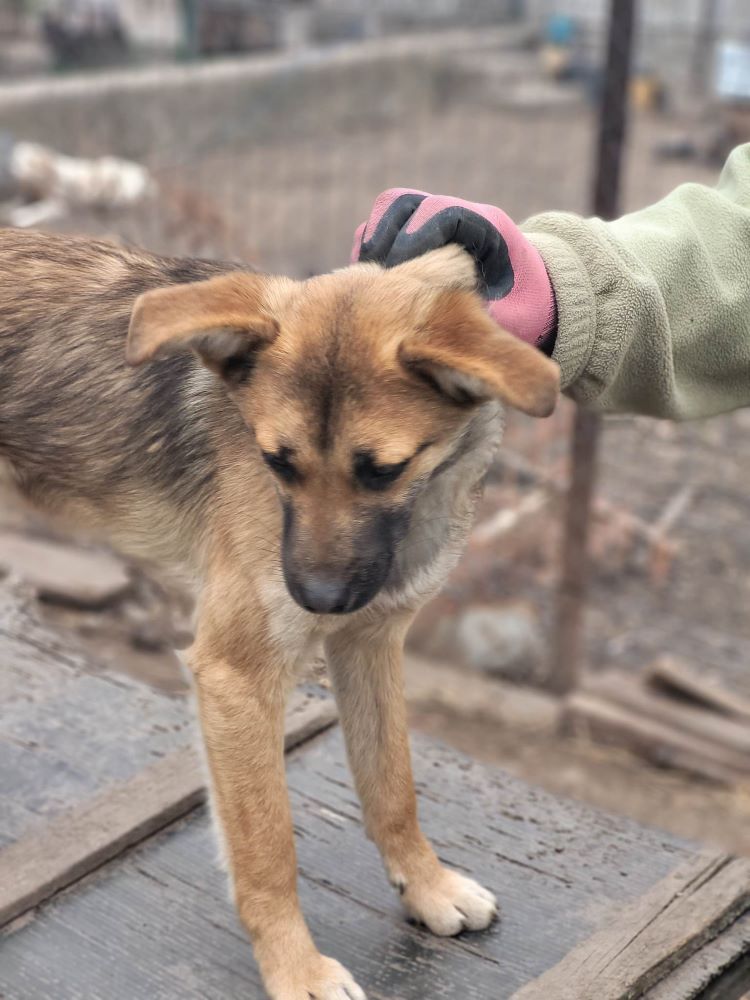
{"points": [[311, 454]]}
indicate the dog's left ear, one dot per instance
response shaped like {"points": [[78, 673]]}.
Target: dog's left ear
{"points": [[225, 319], [465, 355]]}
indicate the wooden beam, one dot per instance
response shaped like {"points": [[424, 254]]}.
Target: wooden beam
{"points": [[629, 692], [81, 840], [599, 718], [653, 935], [704, 686]]}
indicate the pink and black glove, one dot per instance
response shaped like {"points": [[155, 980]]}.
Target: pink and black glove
{"points": [[405, 223]]}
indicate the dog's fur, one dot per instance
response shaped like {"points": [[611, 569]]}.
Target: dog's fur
{"points": [[375, 398]]}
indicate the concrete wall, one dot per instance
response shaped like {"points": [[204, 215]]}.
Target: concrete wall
{"points": [[157, 23], [422, 13], [182, 112]]}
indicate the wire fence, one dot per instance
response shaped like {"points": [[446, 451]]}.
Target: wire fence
{"points": [[275, 159]]}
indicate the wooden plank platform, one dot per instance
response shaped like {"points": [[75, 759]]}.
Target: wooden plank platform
{"points": [[91, 762], [57, 853], [157, 923], [69, 730], [131, 903]]}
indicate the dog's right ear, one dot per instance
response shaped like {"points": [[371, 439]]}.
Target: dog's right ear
{"points": [[463, 354], [226, 320]]}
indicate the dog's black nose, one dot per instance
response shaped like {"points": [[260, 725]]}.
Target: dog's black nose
{"points": [[323, 595]]}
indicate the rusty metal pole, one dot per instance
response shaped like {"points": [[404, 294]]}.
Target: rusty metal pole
{"points": [[705, 37], [567, 664]]}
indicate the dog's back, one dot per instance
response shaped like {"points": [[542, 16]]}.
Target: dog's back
{"points": [[83, 432]]}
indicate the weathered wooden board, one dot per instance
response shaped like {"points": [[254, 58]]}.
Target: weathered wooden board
{"points": [[704, 969], [90, 762], [653, 935], [157, 923], [76, 842], [69, 730], [734, 984]]}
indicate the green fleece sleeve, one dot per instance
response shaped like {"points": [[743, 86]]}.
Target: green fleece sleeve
{"points": [[654, 309]]}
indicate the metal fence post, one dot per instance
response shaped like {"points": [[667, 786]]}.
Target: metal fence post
{"points": [[190, 28], [567, 662], [705, 37]]}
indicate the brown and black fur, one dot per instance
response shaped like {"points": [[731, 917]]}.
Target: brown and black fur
{"points": [[78, 425], [310, 455]]}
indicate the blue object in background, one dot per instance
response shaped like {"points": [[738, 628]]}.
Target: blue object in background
{"points": [[732, 72], [560, 30]]}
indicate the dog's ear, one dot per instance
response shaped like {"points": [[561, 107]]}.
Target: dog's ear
{"points": [[466, 356], [225, 319]]}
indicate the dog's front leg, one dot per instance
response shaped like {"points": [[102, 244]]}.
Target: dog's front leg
{"points": [[366, 667], [241, 694]]}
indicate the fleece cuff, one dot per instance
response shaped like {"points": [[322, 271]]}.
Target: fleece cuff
{"points": [[576, 307]]}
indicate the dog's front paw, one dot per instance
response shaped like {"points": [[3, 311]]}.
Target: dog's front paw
{"points": [[321, 979], [449, 903]]}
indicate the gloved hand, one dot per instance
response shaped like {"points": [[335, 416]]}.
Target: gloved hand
{"points": [[406, 223]]}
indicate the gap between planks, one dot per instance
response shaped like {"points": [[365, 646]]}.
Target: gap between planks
{"points": [[75, 843], [653, 935]]}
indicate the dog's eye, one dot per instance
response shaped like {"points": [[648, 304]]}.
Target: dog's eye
{"points": [[280, 463], [376, 477]]}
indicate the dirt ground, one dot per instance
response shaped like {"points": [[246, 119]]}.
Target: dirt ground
{"points": [[604, 777], [518, 730], [292, 207]]}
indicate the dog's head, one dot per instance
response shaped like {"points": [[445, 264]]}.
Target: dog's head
{"points": [[357, 386]]}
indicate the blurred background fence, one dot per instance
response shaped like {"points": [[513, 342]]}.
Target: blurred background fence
{"points": [[267, 129]]}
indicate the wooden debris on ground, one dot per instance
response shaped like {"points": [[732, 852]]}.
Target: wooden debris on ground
{"points": [[705, 687], [618, 533], [64, 573], [674, 715]]}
